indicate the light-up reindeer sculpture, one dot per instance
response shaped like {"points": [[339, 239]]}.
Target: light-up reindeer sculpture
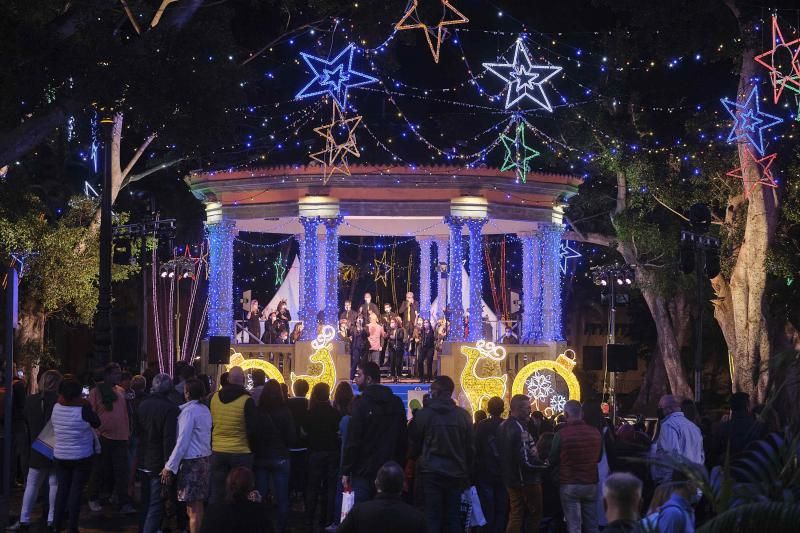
{"points": [[483, 377], [321, 366]]}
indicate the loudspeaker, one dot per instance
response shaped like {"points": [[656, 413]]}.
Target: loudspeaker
{"points": [[219, 350], [621, 357], [593, 358]]}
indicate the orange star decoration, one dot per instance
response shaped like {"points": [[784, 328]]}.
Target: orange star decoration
{"points": [[438, 30], [782, 61], [765, 178], [334, 157], [382, 270]]}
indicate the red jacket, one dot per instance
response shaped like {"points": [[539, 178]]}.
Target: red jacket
{"points": [[578, 446]]}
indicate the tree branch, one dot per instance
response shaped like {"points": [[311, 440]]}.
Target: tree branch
{"points": [[150, 138], [276, 40], [141, 175]]}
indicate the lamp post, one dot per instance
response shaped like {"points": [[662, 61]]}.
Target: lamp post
{"points": [[102, 327]]}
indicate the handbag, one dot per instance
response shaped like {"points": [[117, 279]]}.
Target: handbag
{"points": [[45, 441], [475, 517], [348, 500]]}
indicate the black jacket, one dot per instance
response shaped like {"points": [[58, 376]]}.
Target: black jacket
{"points": [[428, 339], [274, 437], [517, 463], [376, 433], [366, 308], [442, 439], [408, 316], [396, 340], [157, 431], [359, 344], [387, 514], [351, 316], [487, 450], [237, 517], [322, 428], [299, 409], [37, 411]]}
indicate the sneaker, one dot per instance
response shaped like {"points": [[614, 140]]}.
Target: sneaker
{"points": [[18, 526], [95, 506], [127, 509]]}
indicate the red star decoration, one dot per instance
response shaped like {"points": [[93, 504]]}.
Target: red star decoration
{"points": [[766, 178], [774, 60]]}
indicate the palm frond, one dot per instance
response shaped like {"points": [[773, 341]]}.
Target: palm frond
{"points": [[774, 517]]}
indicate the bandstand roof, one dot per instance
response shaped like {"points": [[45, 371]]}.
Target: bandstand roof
{"points": [[384, 200]]}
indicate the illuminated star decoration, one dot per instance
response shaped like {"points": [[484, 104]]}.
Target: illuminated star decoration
{"points": [[382, 270], [749, 121], [517, 153], [334, 157], [334, 77], [765, 179], [566, 253], [523, 78], [782, 62], [280, 269], [437, 31]]}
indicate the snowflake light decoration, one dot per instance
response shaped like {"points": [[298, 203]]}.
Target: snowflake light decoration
{"points": [[557, 403], [540, 386]]}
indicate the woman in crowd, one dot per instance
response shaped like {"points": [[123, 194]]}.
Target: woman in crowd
{"points": [[395, 348], [322, 427], [296, 333], [242, 511], [427, 344], [343, 399], [75, 444], [415, 345], [271, 448], [191, 457]]}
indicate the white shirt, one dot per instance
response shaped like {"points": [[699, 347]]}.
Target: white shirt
{"points": [[677, 436], [194, 434]]}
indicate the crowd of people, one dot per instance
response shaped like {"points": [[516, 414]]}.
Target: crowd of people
{"points": [[189, 458]]}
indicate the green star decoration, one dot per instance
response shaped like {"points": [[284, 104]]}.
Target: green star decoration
{"points": [[518, 154], [280, 269]]}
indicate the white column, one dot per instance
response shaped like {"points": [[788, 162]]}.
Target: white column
{"points": [[425, 275], [321, 268], [551, 282]]}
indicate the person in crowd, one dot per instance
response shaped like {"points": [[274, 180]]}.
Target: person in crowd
{"points": [[442, 443], [738, 432], [427, 344], [479, 416], [272, 329], [298, 406], [538, 425], [488, 472], [107, 399], [442, 329], [190, 459], [676, 514], [376, 433], [576, 450], [75, 443], [297, 332], [283, 314], [20, 439], [387, 513], [385, 321], [677, 435], [241, 510], [349, 314], [259, 378], [343, 399], [359, 346], [395, 348], [158, 420], [283, 336], [368, 308], [509, 337], [375, 335], [593, 415], [520, 466], [183, 373], [408, 313], [234, 417], [322, 428], [37, 411], [622, 496], [272, 449], [254, 323]]}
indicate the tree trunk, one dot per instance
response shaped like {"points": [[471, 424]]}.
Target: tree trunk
{"points": [[16, 143], [30, 339], [654, 385]]}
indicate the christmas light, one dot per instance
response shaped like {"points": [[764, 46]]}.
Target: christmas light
{"points": [[280, 269], [416, 23], [425, 276], [782, 75], [455, 303], [537, 381], [272, 372], [551, 283], [765, 178], [523, 78], [749, 121], [334, 77], [483, 377], [220, 278], [475, 278], [334, 157], [331, 265], [566, 253], [517, 153], [382, 270], [308, 311], [321, 366]]}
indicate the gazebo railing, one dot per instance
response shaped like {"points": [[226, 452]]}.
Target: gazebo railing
{"points": [[280, 355]]}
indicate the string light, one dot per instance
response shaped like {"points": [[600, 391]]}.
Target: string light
{"points": [[456, 305], [280, 269], [331, 269], [551, 283], [308, 313], [334, 77], [220, 278], [382, 269], [765, 177], [523, 78], [474, 225], [535, 381]]}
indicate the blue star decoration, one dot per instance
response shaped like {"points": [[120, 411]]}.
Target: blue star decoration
{"points": [[523, 78], [566, 253], [518, 154], [333, 77], [749, 122]]}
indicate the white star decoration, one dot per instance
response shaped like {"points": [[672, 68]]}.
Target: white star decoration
{"points": [[523, 78], [566, 253]]}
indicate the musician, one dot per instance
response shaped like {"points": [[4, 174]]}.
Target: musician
{"points": [[414, 345], [408, 313], [349, 314], [427, 343], [396, 348], [386, 318], [368, 308], [254, 322], [359, 346], [375, 337]]}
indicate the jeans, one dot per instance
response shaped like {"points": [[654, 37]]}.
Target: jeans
{"points": [[152, 503], [494, 504], [111, 470], [72, 476], [425, 358], [580, 507], [323, 468], [363, 489], [33, 485], [278, 471], [442, 503], [221, 465], [527, 497]]}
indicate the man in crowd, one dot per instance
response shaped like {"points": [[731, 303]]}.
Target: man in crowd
{"points": [[259, 380], [488, 474], [736, 434], [376, 433], [576, 449], [368, 308], [348, 314], [387, 513], [235, 418], [442, 442], [622, 496], [107, 399], [157, 420], [677, 435], [520, 466], [298, 453], [408, 313]]}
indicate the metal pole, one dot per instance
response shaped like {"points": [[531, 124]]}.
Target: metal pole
{"points": [[699, 268], [11, 326], [102, 328], [612, 329], [177, 315]]}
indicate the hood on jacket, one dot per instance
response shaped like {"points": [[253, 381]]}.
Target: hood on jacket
{"points": [[229, 393], [441, 405]]}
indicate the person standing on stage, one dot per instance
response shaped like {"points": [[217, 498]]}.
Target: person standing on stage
{"points": [[386, 318], [283, 314], [375, 335], [348, 314], [253, 322], [409, 312], [395, 348], [427, 343], [368, 307], [359, 346]]}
